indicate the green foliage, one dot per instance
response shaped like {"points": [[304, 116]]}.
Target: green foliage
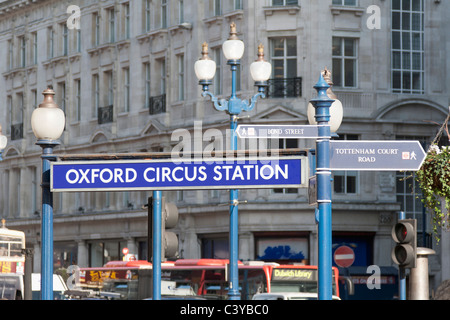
{"points": [[434, 181]]}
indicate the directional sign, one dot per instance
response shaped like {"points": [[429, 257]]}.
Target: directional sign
{"points": [[376, 155], [278, 131], [235, 173]]}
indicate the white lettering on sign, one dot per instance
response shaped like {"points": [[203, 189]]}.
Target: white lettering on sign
{"points": [[367, 159], [294, 131], [355, 151], [105, 175], [178, 174], [366, 151]]}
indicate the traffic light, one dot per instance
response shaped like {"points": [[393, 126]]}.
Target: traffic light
{"points": [[404, 233], [169, 212]]}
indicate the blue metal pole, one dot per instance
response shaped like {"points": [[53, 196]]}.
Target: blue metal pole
{"points": [[157, 241], [401, 271], [47, 221], [233, 290], [322, 104]]}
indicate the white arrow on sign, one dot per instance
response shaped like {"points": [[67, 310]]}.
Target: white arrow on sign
{"points": [[274, 131]]}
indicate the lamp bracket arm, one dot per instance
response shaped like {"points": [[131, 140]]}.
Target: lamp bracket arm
{"points": [[249, 105], [220, 105]]}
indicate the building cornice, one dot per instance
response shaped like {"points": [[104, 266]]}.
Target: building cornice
{"points": [[12, 6]]}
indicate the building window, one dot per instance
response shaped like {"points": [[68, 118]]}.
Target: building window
{"points": [[9, 106], [284, 2], [16, 114], [344, 2], [217, 7], [180, 11], [64, 39], [284, 57], [238, 5], [217, 81], [34, 52], [78, 40], [162, 66], [346, 182], [407, 46], [23, 51], [147, 16], [109, 85], [10, 54], [126, 89], [51, 43], [126, 21], [96, 95], [345, 58], [283, 53], [215, 247], [102, 252], [95, 29], [111, 24], [147, 78], [78, 99], [181, 77], [164, 14]]}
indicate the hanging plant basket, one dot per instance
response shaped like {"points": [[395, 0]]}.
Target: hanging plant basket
{"points": [[434, 181]]}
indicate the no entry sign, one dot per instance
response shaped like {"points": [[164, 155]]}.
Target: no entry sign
{"points": [[344, 256]]}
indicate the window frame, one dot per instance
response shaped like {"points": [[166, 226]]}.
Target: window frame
{"points": [[404, 56], [339, 75]]}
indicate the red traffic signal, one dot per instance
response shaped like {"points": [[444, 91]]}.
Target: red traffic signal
{"points": [[404, 233]]}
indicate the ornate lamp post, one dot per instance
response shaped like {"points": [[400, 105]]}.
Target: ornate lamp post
{"points": [[205, 69], [326, 117], [47, 122]]}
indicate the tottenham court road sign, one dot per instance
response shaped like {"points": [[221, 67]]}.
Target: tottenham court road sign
{"points": [[236, 173], [278, 131], [376, 155]]}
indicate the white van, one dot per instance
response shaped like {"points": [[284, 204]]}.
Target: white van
{"points": [[59, 287]]}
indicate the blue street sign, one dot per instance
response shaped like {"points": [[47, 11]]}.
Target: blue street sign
{"points": [[274, 131], [376, 155], [235, 173]]}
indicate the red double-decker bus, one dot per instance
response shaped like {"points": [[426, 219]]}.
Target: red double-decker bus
{"points": [[207, 278]]}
